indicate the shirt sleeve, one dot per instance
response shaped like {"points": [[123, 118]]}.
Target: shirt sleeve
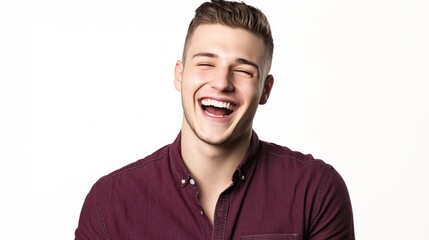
{"points": [[333, 215], [91, 224]]}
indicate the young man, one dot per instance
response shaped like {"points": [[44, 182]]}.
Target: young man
{"points": [[217, 180]]}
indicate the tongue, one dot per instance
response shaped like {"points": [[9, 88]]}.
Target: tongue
{"points": [[218, 111]]}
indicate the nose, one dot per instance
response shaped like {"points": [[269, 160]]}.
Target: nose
{"points": [[222, 80]]}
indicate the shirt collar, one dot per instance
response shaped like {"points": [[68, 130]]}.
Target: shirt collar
{"points": [[243, 172], [179, 170], [247, 165]]}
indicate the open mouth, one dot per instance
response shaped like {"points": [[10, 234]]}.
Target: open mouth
{"points": [[216, 108]]}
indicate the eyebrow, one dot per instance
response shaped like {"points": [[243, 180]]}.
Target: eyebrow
{"points": [[238, 60]]}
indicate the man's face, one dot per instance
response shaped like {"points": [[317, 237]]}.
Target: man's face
{"points": [[222, 81]]}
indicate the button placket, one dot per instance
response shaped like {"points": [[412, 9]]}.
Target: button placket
{"points": [[221, 214]]}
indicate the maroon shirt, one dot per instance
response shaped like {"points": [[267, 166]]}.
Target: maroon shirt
{"points": [[276, 194]]}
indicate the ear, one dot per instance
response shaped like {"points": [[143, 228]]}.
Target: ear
{"points": [[268, 85], [178, 72]]}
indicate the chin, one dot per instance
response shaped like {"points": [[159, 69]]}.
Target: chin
{"points": [[227, 139], [212, 140]]}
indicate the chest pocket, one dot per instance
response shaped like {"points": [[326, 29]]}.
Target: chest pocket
{"points": [[288, 236]]}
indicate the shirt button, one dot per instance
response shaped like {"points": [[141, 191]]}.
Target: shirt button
{"points": [[183, 181], [191, 181], [201, 212], [243, 177]]}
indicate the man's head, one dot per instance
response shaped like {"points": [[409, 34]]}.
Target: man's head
{"points": [[235, 15], [224, 72]]}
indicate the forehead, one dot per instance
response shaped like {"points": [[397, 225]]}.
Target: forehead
{"points": [[226, 42]]}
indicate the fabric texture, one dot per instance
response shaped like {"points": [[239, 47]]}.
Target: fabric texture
{"points": [[276, 193]]}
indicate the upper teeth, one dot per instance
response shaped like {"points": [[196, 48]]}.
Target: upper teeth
{"points": [[212, 102]]}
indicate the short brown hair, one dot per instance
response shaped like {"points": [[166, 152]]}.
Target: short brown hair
{"points": [[236, 15]]}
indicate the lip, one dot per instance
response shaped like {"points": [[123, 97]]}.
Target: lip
{"points": [[217, 118]]}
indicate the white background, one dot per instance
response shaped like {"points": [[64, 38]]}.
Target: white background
{"points": [[87, 87]]}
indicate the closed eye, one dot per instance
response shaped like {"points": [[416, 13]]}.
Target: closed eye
{"points": [[205, 65], [243, 73]]}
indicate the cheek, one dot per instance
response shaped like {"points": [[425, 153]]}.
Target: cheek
{"points": [[194, 79], [191, 84], [248, 90]]}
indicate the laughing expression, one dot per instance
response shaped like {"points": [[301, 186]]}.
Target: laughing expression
{"points": [[222, 81]]}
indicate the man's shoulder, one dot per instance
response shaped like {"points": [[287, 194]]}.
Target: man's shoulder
{"points": [[280, 154], [299, 169], [137, 168]]}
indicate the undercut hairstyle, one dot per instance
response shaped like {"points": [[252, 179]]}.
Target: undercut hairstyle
{"points": [[236, 15]]}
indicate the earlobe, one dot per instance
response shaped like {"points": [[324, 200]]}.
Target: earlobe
{"points": [[178, 72], [268, 85]]}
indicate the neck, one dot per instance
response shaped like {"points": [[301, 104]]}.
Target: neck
{"points": [[212, 164]]}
